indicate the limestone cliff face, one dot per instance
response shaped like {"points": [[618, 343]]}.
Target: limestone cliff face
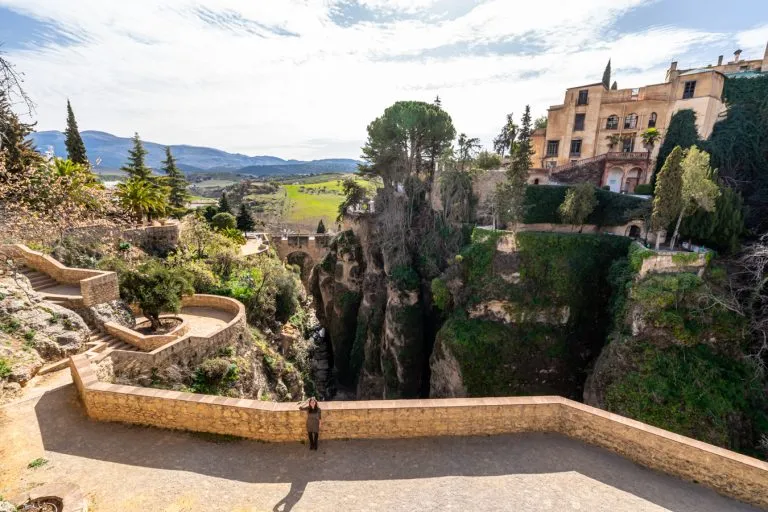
{"points": [[337, 284]]}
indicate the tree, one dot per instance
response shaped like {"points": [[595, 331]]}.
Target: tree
{"points": [[209, 212], [607, 75], [681, 132], [74, 142], [521, 159], [136, 167], [720, 230], [510, 196], [222, 221], [615, 86], [503, 142], [156, 289], [142, 197], [244, 220], [406, 142], [176, 181], [698, 191], [486, 161], [224, 204], [468, 148], [667, 199], [15, 148], [354, 196], [580, 201], [320, 227], [540, 123]]}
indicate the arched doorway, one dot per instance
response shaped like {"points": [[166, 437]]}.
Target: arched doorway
{"points": [[304, 261], [634, 231], [614, 179], [632, 180]]}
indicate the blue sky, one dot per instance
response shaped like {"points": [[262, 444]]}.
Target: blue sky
{"points": [[303, 78]]}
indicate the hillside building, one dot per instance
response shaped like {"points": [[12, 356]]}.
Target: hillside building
{"points": [[595, 135]]}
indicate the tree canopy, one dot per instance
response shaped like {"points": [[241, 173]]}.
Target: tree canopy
{"points": [[580, 201], [224, 206], [244, 219], [502, 144], [667, 199], [176, 181], [698, 190], [607, 75], [681, 132], [156, 289]]}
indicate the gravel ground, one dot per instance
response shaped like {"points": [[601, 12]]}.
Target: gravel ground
{"points": [[130, 468]]}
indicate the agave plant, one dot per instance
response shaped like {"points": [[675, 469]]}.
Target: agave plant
{"points": [[142, 197]]}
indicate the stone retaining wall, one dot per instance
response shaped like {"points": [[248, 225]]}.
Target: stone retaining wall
{"points": [[147, 343], [96, 286], [187, 349], [729, 473], [665, 263]]}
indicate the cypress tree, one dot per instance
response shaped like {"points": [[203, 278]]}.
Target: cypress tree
{"points": [[224, 204], [320, 227], [667, 201], [681, 132], [74, 142], [607, 75], [18, 152], [720, 229], [176, 181], [244, 220], [521, 159], [615, 86], [136, 168]]}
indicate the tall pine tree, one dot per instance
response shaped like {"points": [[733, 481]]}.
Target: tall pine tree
{"points": [[136, 168], [615, 86], [176, 181], [244, 220], [74, 143], [607, 75], [681, 132], [224, 204]]}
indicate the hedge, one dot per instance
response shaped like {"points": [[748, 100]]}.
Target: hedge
{"points": [[542, 202]]}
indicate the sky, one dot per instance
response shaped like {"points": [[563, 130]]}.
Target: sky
{"points": [[303, 78]]}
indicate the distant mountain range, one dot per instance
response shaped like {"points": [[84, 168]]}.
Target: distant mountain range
{"points": [[111, 153]]}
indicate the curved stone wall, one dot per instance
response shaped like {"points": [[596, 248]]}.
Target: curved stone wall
{"points": [[188, 349], [729, 473], [150, 342]]}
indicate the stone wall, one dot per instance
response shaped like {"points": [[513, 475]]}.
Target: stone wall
{"points": [[187, 349], [159, 239], [666, 263], [96, 286], [729, 473], [146, 343]]}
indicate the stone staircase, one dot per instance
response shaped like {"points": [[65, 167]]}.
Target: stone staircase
{"points": [[100, 344], [37, 279]]}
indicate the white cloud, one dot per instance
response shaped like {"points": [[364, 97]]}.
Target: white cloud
{"points": [[237, 84], [753, 41]]}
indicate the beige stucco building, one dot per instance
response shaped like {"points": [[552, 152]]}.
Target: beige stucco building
{"points": [[596, 133]]}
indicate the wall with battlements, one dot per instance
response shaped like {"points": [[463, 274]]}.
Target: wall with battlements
{"points": [[727, 472]]}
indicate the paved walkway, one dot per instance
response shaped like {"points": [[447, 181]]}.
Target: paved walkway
{"points": [[130, 468], [204, 321]]}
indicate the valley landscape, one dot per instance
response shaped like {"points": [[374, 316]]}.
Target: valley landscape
{"points": [[572, 315]]}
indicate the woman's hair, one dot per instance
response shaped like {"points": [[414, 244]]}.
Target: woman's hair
{"points": [[317, 404]]}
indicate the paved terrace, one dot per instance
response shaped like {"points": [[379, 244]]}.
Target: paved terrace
{"points": [[130, 468]]}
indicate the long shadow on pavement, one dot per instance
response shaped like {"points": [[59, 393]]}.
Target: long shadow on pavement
{"points": [[65, 429]]}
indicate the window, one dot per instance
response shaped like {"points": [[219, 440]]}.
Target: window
{"points": [[583, 98], [578, 123], [536, 181], [630, 122], [612, 123], [689, 90], [628, 144], [652, 120], [576, 147], [553, 147]]}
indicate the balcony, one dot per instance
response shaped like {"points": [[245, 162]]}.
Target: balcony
{"points": [[634, 155]]}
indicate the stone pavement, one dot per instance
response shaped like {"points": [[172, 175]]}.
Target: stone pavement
{"points": [[130, 468]]}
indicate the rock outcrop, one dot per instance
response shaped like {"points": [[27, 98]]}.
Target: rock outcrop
{"points": [[35, 331]]}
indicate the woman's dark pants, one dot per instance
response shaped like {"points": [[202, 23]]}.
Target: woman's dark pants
{"points": [[313, 439]]}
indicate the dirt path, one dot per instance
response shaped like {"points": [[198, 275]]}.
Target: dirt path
{"points": [[125, 468]]}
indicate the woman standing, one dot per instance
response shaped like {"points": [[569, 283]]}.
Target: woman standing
{"points": [[314, 417]]}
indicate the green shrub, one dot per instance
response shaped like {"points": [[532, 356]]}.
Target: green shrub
{"points": [[684, 258], [30, 335], [155, 288], [38, 462], [638, 253], [5, 368], [542, 203], [440, 294], [11, 325], [405, 278], [644, 189], [222, 221]]}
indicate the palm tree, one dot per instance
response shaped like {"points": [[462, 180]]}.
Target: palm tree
{"points": [[142, 197]]}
